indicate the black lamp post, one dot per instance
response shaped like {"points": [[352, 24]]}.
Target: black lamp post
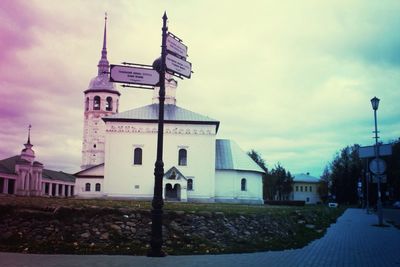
{"points": [[375, 105], [158, 202]]}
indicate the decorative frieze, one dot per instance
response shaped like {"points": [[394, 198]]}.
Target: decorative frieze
{"points": [[167, 130]]}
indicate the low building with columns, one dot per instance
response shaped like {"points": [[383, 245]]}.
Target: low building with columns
{"points": [[22, 175]]}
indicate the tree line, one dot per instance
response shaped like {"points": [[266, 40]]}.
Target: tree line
{"points": [[345, 179], [277, 182]]}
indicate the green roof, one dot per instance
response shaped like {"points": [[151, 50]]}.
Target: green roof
{"points": [[8, 165], [172, 114], [305, 178], [57, 175], [229, 156]]}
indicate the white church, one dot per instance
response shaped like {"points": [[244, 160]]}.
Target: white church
{"points": [[119, 151]]}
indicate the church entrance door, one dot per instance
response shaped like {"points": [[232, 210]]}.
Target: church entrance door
{"points": [[173, 193]]}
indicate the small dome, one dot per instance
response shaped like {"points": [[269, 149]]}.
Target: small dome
{"points": [[37, 164], [157, 65], [102, 82]]}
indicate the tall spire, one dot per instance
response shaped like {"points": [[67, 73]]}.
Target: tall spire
{"points": [[103, 63], [27, 153], [29, 135]]}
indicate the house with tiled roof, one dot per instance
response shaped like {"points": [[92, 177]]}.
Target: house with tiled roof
{"points": [[305, 187]]}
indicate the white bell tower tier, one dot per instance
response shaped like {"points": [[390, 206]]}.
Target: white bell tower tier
{"points": [[101, 99], [170, 91]]}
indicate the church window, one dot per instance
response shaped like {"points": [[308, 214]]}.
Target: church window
{"points": [[190, 184], [87, 104], [243, 184], [96, 103], [182, 160], [109, 103], [137, 156], [87, 187], [98, 187]]}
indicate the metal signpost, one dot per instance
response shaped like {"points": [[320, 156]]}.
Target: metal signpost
{"points": [[134, 75], [369, 151], [175, 45], [173, 61], [376, 165], [178, 67]]}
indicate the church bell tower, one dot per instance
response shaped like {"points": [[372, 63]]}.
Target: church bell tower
{"points": [[101, 99]]}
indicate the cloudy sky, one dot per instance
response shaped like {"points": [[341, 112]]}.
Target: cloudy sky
{"points": [[290, 79]]}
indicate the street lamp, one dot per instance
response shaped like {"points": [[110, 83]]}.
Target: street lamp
{"points": [[375, 105]]}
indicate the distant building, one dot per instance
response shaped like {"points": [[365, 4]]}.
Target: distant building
{"points": [[22, 175], [305, 187]]}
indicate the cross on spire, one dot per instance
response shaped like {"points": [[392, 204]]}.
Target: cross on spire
{"points": [[29, 134], [103, 63]]}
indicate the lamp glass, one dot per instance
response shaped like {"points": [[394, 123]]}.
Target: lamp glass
{"points": [[375, 103]]}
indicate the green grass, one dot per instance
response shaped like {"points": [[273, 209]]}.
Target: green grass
{"points": [[287, 222]]}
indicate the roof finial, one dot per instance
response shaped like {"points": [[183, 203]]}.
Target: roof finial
{"points": [[29, 134], [103, 63], [105, 32]]}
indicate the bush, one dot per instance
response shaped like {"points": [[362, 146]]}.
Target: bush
{"points": [[285, 202]]}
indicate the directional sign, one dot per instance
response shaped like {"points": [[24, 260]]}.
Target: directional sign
{"points": [[134, 75], [377, 166], [176, 47], [178, 65], [369, 151], [383, 179]]}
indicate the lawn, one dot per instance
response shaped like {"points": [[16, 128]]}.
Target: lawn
{"points": [[104, 226]]}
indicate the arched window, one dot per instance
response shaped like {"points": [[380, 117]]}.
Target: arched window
{"points": [[98, 187], [190, 184], [243, 184], [87, 187], [96, 102], [87, 104], [109, 103], [182, 160], [137, 156]]}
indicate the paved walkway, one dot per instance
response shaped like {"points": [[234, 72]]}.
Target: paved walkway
{"points": [[352, 241]]}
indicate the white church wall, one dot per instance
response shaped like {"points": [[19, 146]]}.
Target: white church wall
{"points": [[124, 179], [228, 187], [80, 187]]}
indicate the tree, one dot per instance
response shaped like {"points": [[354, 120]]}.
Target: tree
{"points": [[323, 186], [261, 162], [284, 182], [276, 183], [344, 172]]}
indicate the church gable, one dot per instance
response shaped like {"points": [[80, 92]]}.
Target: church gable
{"points": [[174, 174], [94, 172]]}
